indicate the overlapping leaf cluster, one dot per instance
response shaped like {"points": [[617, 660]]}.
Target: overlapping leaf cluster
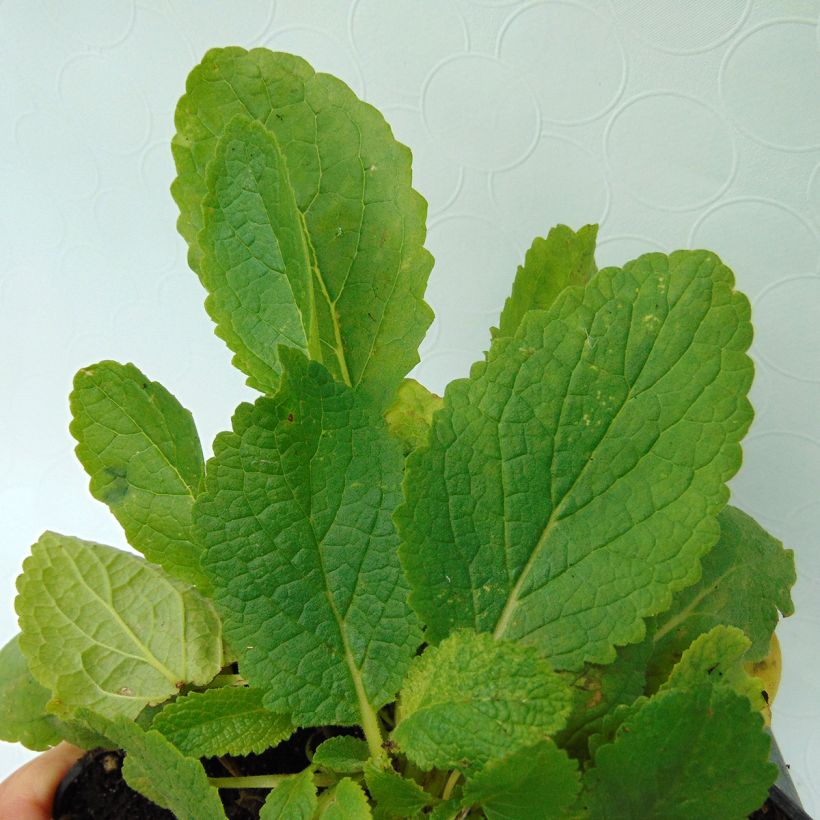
{"points": [[528, 598]]}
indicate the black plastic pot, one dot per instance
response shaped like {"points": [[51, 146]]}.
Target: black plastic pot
{"points": [[784, 802]]}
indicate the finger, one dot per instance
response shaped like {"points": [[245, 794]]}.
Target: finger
{"points": [[29, 792]]}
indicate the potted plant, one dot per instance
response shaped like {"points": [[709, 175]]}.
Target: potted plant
{"points": [[528, 598]]}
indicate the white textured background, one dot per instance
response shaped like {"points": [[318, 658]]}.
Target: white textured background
{"points": [[672, 123]]}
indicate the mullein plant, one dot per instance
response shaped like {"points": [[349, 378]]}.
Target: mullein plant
{"points": [[528, 598]]}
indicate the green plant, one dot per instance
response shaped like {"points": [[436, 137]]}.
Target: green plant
{"points": [[529, 596]]}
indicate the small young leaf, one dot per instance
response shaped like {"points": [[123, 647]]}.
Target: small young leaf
{"points": [[229, 720], [685, 755], [347, 801], [140, 447], [255, 261], [734, 589], [572, 483], [411, 414], [536, 781], [716, 657], [342, 754], [364, 223], [301, 549], [158, 770], [292, 799], [23, 715], [95, 642], [472, 699], [395, 796], [564, 258]]}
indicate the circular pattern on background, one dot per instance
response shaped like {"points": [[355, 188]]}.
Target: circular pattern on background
{"points": [[787, 327], [105, 103], [71, 170], [618, 250], [436, 177], [321, 50], [770, 84], [376, 27], [682, 28], [218, 23], [670, 151], [575, 49], [761, 240], [800, 522], [97, 23], [558, 182], [481, 112], [813, 192]]}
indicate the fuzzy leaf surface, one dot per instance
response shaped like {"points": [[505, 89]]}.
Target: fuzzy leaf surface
{"points": [[347, 802], [716, 657], [733, 590], [395, 796], [536, 781], [364, 223], [228, 720], [23, 715], [140, 447], [292, 799], [411, 414], [565, 257], [473, 698], [104, 629], [158, 770], [342, 754], [302, 552], [572, 482], [713, 760], [255, 261]]}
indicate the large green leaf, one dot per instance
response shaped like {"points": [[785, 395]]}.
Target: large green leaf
{"points": [[157, 769], [230, 720], [255, 260], [142, 451], [687, 754], [106, 630], [565, 257], [394, 795], [746, 579], [536, 781], [293, 799], [364, 224], [346, 801], [344, 753], [572, 483], [302, 551], [472, 699], [23, 715]]}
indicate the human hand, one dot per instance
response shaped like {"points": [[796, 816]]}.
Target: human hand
{"points": [[28, 793]]}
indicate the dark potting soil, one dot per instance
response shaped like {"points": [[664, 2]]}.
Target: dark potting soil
{"points": [[94, 789]]}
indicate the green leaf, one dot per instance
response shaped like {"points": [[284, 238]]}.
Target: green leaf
{"points": [[255, 261], [23, 715], [597, 690], [293, 799], [346, 801], [141, 449], [106, 630], [537, 781], [229, 720], [686, 754], [342, 754], [411, 414], [302, 551], [395, 796], [364, 223], [746, 579], [564, 258], [158, 770], [473, 698], [717, 658], [572, 483]]}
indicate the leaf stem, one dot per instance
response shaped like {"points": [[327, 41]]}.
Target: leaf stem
{"points": [[450, 784], [263, 781]]}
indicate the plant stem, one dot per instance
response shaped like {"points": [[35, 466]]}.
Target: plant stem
{"points": [[450, 784], [262, 781]]}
